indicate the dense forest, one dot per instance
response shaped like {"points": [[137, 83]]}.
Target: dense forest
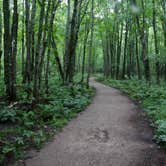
{"points": [[131, 36], [49, 49]]}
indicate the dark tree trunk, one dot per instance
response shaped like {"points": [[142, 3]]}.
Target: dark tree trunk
{"points": [[0, 39], [145, 57], [68, 25], [32, 38], [91, 44], [72, 45], [163, 21], [138, 60], [84, 50], [119, 48], [23, 39], [57, 59], [14, 34], [47, 71], [125, 50], [10, 49], [156, 44], [7, 45], [44, 43], [38, 51], [27, 73]]}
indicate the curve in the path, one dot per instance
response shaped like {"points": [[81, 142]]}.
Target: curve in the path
{"points": [[111, 132]]}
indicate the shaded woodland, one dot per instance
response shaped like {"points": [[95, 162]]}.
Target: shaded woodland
{"points": [[49, 49]]}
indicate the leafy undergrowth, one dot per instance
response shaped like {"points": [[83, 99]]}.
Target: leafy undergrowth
{"points": [[151, 97], [24, 126]]}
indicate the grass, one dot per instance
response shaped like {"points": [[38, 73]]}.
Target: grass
{"points": [[24, 126], [151, 97]]}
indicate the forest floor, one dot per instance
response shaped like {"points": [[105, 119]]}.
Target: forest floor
{"points": [[113, 131]]}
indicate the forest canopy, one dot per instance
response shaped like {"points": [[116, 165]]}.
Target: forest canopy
{"points": [[121, 38]]}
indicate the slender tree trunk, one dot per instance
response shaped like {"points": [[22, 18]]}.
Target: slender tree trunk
{"points": [[144, 42], [156, 44], [47, 71], [125, 50], [145, 57], [7, 45], [104, 55], [28, 44], [66, 60], [84, 50], [14, 50], [137, 57], [38, 51], [52, 42], [32, 38], [44, 42], [91, 43], [119, 48], [10, 49], [163, 21], [23, 39], [57, 59], [0, 39], [72, 45]]}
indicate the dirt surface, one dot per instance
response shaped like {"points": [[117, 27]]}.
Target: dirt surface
{"points": [[111, 132]]}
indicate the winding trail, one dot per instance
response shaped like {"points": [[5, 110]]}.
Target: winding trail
{"points": [[111, 132]]}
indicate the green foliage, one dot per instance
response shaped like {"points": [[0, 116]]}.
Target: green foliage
{"points": [[161, 131], [7, 114], [39, 138], [33, 127], [151, 97]]}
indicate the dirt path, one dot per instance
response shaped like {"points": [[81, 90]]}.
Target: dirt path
{"points": [[111, 132]]}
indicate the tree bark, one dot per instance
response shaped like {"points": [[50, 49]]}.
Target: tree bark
{"points": [[91, 44], [125, 50], [156, 44], [7, 45], [14, 50], [119, 48], [84, 50], [23, 39], [38, 51], [0, 40]]}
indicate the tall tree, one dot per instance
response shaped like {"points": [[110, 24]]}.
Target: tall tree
{"points": [[7, 45], [10, 48], [156, 43], [0, 39], [14, 34], [38, 50], [90, 70]]}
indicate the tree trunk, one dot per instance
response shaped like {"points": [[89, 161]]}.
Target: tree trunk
{"points": [[44, 42], [68, 24], [23, 39], [32, 38], [28, 43], [38, 51], [163, 21], [0, 39], [91, 43], [119, 48], [84, 50], [125, 50], [14, 50], [156, 44], [72, 45], [7, 46], [138, 60], [10, 49]]}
